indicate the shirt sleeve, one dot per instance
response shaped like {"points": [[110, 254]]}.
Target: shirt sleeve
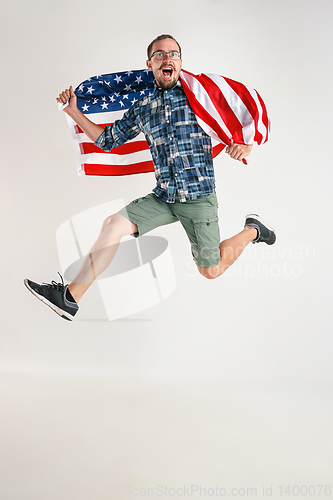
{"points": [[120, 132]]}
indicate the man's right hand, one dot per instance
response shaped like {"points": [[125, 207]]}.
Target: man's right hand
{"points": [[65, 96]]}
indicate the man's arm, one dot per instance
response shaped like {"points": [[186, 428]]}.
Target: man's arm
{"points": [[238, 151], [91, 130]]}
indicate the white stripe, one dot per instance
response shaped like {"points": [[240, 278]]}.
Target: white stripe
{"points": [[111, 159], [238, 107], [105, 116], [83, 138], [203, 98]]}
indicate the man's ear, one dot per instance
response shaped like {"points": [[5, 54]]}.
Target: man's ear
{"points": [[148, 64]]}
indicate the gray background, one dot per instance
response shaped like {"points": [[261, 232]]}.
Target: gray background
{"points": [[226, 383]]}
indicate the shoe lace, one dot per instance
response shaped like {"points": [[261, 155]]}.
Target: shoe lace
{"points": [[54, 284]]}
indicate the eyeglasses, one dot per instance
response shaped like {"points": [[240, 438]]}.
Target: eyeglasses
{"points": [[160, 54]]}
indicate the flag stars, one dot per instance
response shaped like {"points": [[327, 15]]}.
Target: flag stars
{"points": [[131, 85]]}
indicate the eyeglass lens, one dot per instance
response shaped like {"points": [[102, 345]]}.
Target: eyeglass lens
{"points": [[162, 55]]}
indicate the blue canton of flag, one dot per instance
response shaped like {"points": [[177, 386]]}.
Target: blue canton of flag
{"points": [[113, 92]]}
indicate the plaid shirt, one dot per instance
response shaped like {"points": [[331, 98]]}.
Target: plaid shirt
{"points": [[180, 149]]}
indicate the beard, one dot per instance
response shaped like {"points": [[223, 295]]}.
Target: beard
{"points": [[165, 85]]}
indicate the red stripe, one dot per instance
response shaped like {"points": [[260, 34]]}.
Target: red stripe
{"points": [[127, 148], [113, 170], [200, 111], [217, 149]]}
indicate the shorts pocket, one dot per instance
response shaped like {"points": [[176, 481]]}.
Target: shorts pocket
{"points": [[206, 246]]}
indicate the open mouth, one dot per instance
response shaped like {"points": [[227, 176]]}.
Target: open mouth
{"points": [[167, 72]]}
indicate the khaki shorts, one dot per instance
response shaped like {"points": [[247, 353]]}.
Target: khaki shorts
{"points": [[198, 217]]}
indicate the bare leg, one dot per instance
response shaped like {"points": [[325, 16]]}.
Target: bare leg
{"points": [[101, 254], [230, 250]]}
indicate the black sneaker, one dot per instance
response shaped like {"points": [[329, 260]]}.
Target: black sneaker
{"points": [[265, 233], [54, 295]]}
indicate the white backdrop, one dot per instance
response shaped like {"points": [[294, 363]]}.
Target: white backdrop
{"points": [[252, 347]]}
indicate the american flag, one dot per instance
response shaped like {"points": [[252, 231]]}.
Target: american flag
{"points": [[228, 111]]}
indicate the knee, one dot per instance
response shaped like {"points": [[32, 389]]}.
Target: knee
{"points": [[210, 272], [118, 226], [111, 220], [111, 223]]}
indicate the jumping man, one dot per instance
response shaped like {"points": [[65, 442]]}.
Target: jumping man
{"points": [[185, 182]]}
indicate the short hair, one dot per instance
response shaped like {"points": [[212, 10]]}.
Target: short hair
{"points": [[161, 37]]}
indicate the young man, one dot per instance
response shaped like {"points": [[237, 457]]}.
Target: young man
{"points": [[185, 183]]}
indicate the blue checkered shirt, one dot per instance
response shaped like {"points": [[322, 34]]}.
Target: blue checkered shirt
{"points": [[180, 149]]}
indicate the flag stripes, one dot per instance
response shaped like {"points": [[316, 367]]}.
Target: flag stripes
{"points": [[115, 170], [239, 113], [125, 149]]}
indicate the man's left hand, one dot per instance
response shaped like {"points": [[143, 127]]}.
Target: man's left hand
{"points": [[238, 151]]}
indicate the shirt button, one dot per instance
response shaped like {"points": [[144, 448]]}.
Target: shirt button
{"points": [[168, 121], [176, 175], [170, 138]]}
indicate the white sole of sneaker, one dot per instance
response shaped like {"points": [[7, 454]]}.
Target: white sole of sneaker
{"points": [[54, 308], [256, 217]]}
